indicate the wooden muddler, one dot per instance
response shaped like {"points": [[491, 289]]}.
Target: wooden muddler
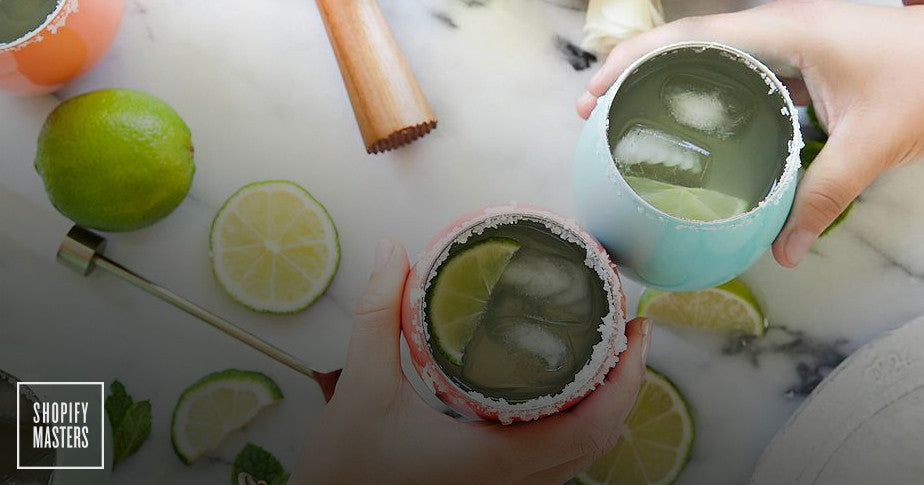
{"points": [[390, 108]]}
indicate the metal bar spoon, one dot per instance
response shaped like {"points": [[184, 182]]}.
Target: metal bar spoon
{"points": [[82, 251]]}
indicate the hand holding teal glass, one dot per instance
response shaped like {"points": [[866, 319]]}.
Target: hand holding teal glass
{"points": [[686, 168], [860, 70]]}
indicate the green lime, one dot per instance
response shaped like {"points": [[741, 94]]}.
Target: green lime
{"points": [[274, 247], [655, 441], [215, 406], [728, 307], [115, 159], [461, 290], [695, 204]]}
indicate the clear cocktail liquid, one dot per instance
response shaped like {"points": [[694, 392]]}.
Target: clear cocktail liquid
{"points": [[19, 17], [702, 120], [541, 320]]}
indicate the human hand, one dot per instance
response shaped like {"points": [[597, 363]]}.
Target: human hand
{"points": [[376, 429], [861, 68]]}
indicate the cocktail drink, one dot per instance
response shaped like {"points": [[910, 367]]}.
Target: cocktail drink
{"points": [[686, 168], [513, 314], [699, 137], [46, 43], [19, 17]]}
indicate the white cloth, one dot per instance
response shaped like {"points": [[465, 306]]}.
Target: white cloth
{"points": [[612, 21]]}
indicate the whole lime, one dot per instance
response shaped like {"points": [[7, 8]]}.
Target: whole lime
{"points": [[115, 159]]}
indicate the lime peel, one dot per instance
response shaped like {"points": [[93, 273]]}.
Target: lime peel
{"points": [[215, 406], [690, 203], [655, 443], [115, 159], [728, 307], [274, 247]]}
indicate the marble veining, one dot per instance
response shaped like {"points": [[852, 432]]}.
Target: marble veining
{"points": [[814, 358], [577, 57], [262, 93], [890, 261], [445, 19]]}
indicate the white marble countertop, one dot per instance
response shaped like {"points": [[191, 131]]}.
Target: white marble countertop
{"points": [[259, 87]]}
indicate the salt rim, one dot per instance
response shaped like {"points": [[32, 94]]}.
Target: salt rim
{"points": [[54, 21], [794, 145], [604, 355], [11, 380]]}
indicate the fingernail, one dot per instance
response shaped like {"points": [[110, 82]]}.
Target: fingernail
{"points": [[383, 251], [646, 337], [798, 244]]}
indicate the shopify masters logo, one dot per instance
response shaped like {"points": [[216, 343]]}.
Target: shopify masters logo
{"points": [[68, 420]]}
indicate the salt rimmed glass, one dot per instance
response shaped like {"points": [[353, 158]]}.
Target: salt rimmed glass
{"points": [[661, 250], [71, 40], [472, 404]]}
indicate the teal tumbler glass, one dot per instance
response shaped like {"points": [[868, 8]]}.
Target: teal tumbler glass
{"points": [[665, 251]]}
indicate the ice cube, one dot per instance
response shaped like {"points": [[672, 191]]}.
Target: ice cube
{"points": [[546, 287], [519, 357], [645, 151], [538, 275], [716, 107], [528, 337]]}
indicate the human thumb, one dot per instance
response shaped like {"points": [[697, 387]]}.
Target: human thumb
{"points": [[840, 172], [374, 346]]}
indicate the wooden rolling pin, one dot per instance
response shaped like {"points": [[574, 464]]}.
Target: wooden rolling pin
{"points": [[390, 108]]}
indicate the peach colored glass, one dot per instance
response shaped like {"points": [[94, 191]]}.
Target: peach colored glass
{"points": [[73, 41], [473, 405]]}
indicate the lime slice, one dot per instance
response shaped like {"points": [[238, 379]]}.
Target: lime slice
{"points": [[729, 307], [274, 248], [655, 442], [215, 406], [460, 293], [695, 204]]}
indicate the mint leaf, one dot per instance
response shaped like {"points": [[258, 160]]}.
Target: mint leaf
{"points": [[259, 464], [130, 421], [117, 403], [132, 432]]}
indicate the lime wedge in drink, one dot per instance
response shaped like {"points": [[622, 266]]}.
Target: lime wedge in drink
{"points": [[728, 307], [655, 441], [460, 293], [215, 406], [274, 248], [695, 204]]}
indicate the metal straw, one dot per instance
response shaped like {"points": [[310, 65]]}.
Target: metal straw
{"points": [[82, 251]]}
